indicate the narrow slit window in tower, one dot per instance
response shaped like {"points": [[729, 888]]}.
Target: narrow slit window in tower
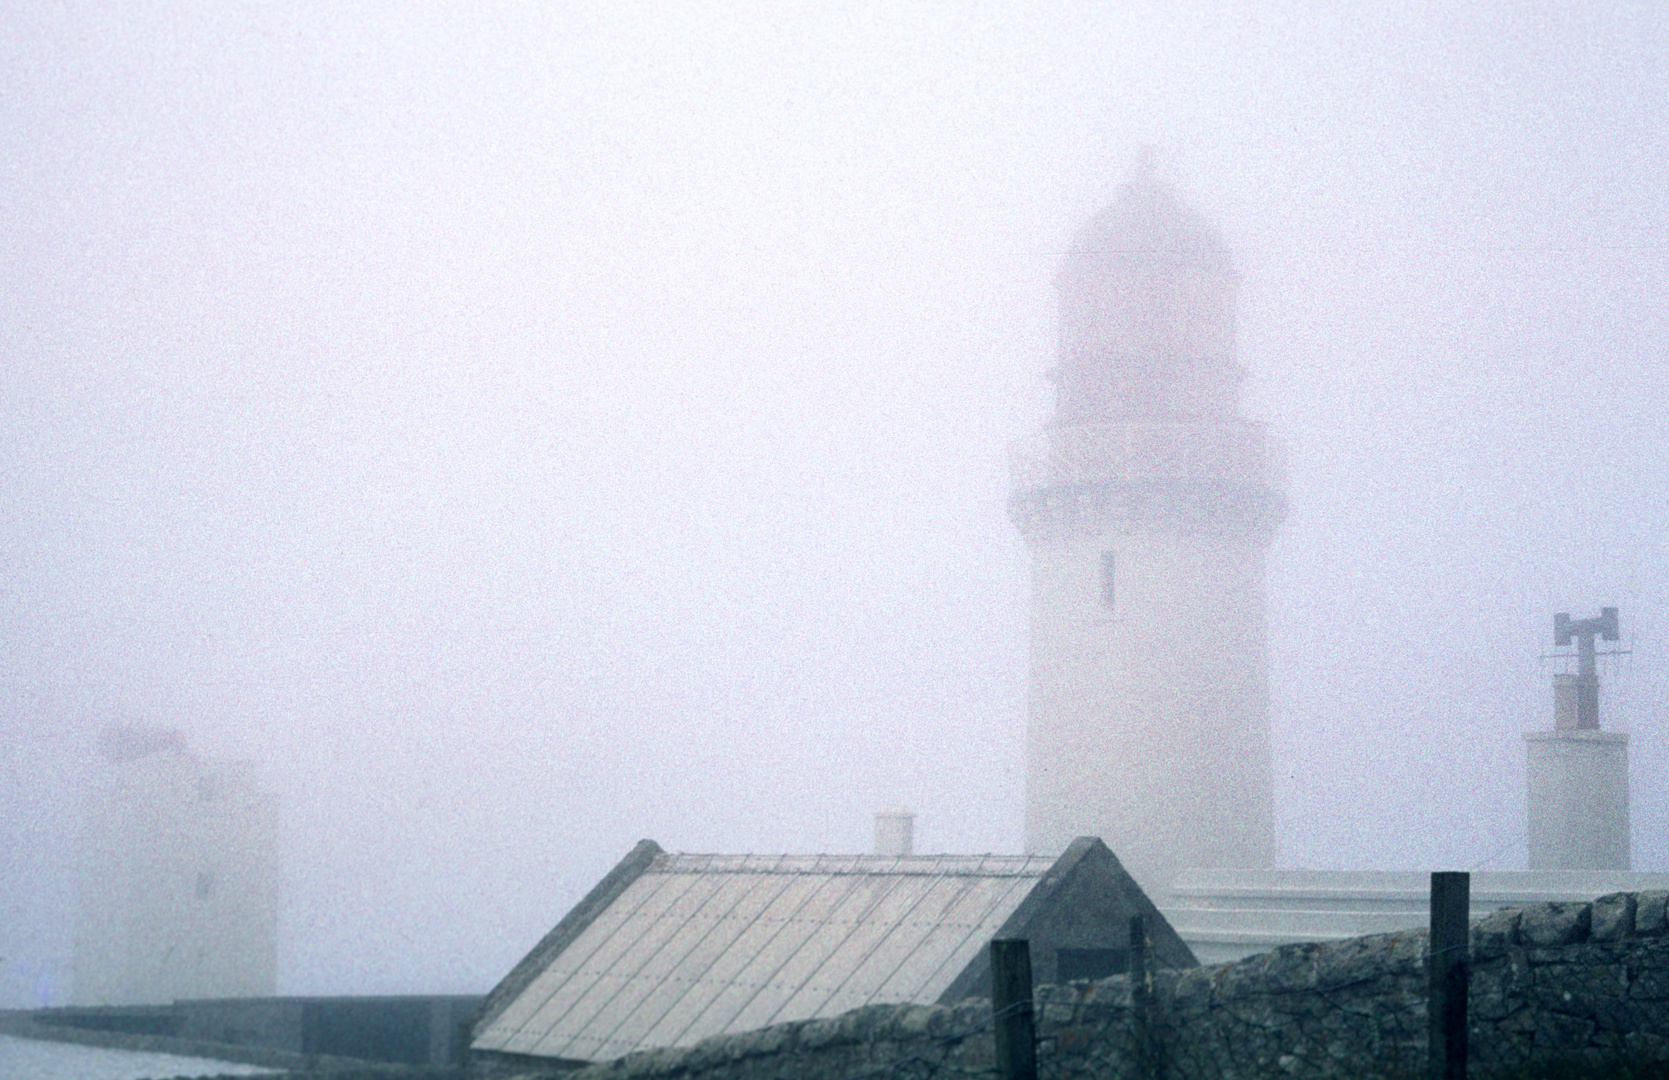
{"points": [[1107, 579]]}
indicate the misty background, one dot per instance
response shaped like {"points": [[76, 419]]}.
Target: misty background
{"points": [[523, 429]]}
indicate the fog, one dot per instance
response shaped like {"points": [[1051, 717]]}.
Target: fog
{"points": [[526, 429]]}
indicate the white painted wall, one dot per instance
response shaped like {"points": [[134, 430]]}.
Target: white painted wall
{"points": [[1578, 800], [178, 889]]}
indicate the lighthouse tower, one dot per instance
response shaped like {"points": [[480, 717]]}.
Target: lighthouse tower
{"points": [[1148, 504]]}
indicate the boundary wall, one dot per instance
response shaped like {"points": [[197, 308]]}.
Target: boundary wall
{"points": [[1549, 982]]}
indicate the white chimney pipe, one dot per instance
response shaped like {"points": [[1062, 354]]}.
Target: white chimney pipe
{"points": [[895, 832]]}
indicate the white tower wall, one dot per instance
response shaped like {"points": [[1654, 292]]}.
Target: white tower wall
{"points": [[1148, 505], [1143, 731]]}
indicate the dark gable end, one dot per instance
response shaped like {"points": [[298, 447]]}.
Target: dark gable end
{"points": [[1077, 920]]}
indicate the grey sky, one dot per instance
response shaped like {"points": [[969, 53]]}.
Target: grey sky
{"points": [[524, 429]]}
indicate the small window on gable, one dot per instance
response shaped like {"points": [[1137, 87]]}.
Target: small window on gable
{"points": [[1107, 580], [205, 885]]}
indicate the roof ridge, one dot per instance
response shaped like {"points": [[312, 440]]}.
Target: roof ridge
{"points": [[982, 864]]}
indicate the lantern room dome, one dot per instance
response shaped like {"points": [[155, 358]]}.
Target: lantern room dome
{"points": [[1147, 224], [1147, 297]]}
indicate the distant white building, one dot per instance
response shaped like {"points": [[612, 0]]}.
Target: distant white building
{"points": [[178, 885], [1577, 839], [1578, 774]]}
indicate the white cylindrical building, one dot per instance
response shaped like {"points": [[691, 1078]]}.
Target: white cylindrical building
{"points": [[1148, 504]]}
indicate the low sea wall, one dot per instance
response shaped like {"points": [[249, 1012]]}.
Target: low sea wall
{"points": [[316, 1035]]}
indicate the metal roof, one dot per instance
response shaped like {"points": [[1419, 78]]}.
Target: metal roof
{"points": [[702, 945]]}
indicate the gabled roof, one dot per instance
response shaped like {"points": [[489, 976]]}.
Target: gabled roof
{"points": [[672, 949]]}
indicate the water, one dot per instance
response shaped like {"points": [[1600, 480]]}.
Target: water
{"points": [[32, 1059]]}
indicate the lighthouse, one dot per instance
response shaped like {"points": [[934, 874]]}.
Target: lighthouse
{"points": [[1148, 503]]}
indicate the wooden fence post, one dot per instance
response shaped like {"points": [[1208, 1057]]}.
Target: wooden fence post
{"points": [[1447, 974], [1011, 1003], [1141, 998]]}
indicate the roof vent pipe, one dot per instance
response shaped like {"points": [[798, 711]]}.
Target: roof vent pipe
{"points": [[895, 832]]}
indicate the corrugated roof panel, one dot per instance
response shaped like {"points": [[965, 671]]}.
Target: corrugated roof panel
{"points": [[744, 973], [584, 985], [935, 896], [555, 988], [853, 972], [714, 969], [731, 889], [965, 925], [844, 919], [868, 937], [730, 923], [678, 913], [701, 945]]}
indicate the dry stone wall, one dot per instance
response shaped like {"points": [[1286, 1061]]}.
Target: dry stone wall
{"points": [[1550, 981]]}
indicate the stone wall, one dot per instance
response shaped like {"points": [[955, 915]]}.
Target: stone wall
{"points": [[1550, 981]]}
